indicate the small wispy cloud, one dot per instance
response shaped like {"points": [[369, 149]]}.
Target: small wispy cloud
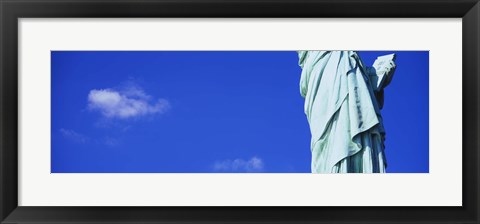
{"points": [[111, 142], [252, 165], [73, 136], [128, 102]]}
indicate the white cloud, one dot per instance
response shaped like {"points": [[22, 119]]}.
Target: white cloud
{"points": [[126, 103], [74, 136], [254, 164], [111, 142]]}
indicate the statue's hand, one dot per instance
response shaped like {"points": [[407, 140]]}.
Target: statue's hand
{"points": [[387, 70], [384, 68]]}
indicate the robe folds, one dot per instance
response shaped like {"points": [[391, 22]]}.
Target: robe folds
{"points": [[344, 116]]}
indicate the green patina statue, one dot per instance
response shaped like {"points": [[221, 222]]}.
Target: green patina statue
{"points": [[343, 99]]}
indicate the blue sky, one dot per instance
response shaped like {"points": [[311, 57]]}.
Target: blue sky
{"points": [[203, 112]]}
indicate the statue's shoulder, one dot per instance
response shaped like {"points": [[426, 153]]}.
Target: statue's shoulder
{"points": [[302, 55]]}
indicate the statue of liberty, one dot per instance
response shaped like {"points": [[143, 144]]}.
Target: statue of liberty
{"points": [[343, 99]]}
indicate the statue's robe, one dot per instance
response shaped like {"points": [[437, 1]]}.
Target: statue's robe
{"points": [[344, 116]]}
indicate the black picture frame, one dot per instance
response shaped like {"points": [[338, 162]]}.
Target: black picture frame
{"points": [[12, 10]]}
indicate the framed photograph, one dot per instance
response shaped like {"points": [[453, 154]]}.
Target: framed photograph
{"points": [[275, 111]]}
